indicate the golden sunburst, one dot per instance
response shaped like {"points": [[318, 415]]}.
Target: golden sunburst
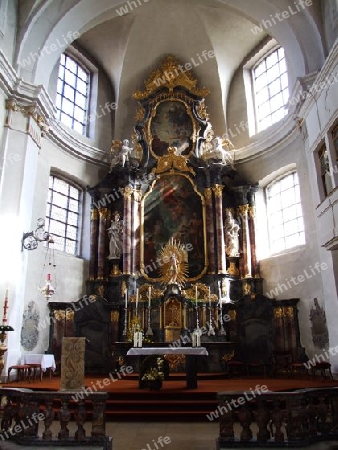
{"points": [[174, 263]]}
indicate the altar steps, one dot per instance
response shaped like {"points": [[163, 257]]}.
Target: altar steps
{"points": [[160, 406]]}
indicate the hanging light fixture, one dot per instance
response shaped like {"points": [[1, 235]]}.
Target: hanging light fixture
{"points": [[48, 272]]}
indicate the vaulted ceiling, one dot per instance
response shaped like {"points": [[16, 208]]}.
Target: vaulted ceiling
{"points": [[130, 39]]}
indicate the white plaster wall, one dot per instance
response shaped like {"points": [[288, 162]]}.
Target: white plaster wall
{"points": [[280, 268], [330, 16], [71, 271], [8, 40]]}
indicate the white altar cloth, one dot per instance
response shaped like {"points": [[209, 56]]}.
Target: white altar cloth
{"points": [[195, 351], [46, 361]]}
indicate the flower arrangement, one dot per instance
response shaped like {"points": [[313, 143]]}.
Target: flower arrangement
{"points": [[155, 373]]}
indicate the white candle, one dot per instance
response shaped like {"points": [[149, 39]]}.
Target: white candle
{"points": [[198, 340], [137, 293], [196, 294], [209, 298], [219, 295], [126, 300], [149, 296]]}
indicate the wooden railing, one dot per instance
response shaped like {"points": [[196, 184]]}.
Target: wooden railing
{"points": [[28, 418], [277, 419]]}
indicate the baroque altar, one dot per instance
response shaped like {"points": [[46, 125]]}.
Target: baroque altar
{"points": [[172, 246]]}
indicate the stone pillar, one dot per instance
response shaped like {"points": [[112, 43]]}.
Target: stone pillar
{"points": [[246, 257], [210, 230], [136, 231], [101, 254], [252, 234], [94, 229], [127, 193], [72, 363], [220, 245]]}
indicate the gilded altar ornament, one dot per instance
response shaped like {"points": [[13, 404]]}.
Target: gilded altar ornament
{"points": [[202, 110], [172, 161], [173, 268], [232, 269], [169, 76]]}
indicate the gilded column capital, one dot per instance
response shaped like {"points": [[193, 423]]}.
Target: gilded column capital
{"points": [[128, 191], [243, 210], [208, 193], [103, 213], [217, 190], [252, 212], [30, 110], [137, 195], [94, 214]]}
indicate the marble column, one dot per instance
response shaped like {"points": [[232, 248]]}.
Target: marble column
{"points": [[210, 230], [136, 231], [246, 257], [220, 244], [252, 234], [127, 230], [101, 253], [94, 229]]}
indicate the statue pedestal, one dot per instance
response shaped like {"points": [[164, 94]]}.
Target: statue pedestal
{"points": [[72, 363], [115, 271]]}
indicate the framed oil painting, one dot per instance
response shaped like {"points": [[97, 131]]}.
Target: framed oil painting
{"points": [[171, 126], [173, 209]]}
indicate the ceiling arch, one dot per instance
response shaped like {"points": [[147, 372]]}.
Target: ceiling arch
{"points": [[129, 46]]}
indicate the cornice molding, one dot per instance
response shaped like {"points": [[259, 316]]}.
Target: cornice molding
{"points": [[278, 135], [34, 101]]}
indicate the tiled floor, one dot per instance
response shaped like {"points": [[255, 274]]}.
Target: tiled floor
{"points": [[183, 436]]}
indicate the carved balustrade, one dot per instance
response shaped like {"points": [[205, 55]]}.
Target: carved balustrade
{"points": [[277, 419], [54, 418]]}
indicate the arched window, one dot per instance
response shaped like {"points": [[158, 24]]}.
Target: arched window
{"points": [[63, 214], [284, 213], [270, 89], [72, 98]]}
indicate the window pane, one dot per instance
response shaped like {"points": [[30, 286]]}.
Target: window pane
{"points": [[72, 90], [271, 89], [70, 78], [285, 220], [62, 216]]}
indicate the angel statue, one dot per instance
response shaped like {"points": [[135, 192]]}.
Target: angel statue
{"points": [[120, 152], [115, 232], [224, 154]]}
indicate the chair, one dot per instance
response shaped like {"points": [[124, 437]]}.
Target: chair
{"points": [[322, 367], [33, 368], [23, 372], [233, 366], [281, 362]]}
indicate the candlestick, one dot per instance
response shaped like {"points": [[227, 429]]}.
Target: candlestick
{"points": [[4, 319]]}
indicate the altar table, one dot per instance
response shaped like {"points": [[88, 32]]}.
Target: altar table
{"points": [[190, 361]]}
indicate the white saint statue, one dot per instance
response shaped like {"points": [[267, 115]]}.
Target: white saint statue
{"points": [[232, 239], [115, 232]]}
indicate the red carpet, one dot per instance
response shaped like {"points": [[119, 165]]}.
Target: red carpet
{"points": [[173, 402]]}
